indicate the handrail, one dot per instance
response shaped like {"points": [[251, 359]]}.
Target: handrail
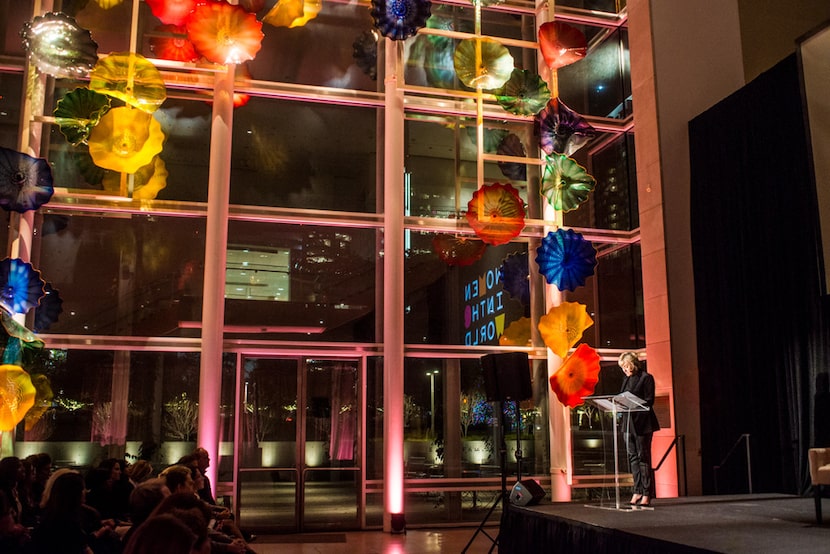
{"points": [[728, 454], [679, 442]]}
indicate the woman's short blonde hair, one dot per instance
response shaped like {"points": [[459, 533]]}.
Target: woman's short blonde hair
{"points": [[631, 357]]}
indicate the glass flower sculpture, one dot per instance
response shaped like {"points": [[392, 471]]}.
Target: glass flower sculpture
{"points": [[14, 338], [78, 112], [455, 250], [515, 277], [561, 130], [566, 259], [511, 145], [49, 309], [130, 78], [224, 33], [107, 4], [492, 137], [563, 325], [517, 333], [561, 44], [43, 400], [20, 285], [524, 93], [58, 46], [496, 213], [565, 183], [17, 395], [125, 140], [170, 42], [172, 12], [400, 19], [292, 13], [148, 181], [577, 377], [482, 62], [365, 53], [25, 182]]}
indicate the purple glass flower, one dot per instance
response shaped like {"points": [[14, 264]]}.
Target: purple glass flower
{"points": [[515, 277], [25, 182], [400, 19], [20, 285], [562, 130], [566, 259]]}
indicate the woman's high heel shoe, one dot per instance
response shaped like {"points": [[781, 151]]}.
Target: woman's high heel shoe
{"points": [[645, 501], [635, 500]]}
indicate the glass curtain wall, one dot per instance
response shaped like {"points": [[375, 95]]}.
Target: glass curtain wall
{"points": [[304, 275]]}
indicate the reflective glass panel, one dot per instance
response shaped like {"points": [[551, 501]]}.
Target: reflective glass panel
{"points": [[122, 275], [11, 88], [329, 282], [301, 155]]}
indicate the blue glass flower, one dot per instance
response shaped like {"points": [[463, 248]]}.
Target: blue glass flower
{"points": [[562, 130], [20, 285], [515, 277], [25, 182], [400, 19], [47, 312], [566, 259]]}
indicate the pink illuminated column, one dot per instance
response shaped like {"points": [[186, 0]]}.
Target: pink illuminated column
{"points": [[216, 238], [393, 292]]}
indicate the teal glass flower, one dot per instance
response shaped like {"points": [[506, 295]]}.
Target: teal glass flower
{"points": [[78, 112], [20, 285], [524, 93], [565, 183], [566, 259]]}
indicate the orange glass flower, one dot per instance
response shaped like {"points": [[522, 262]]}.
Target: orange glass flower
{"points": [[173, 44], [125, 140], [456, 250], [563, 325], [131, 78], [17, 395], [172, 12], [496, 213], [561, 44], [577, 377], [224, 33], [517, 333]]}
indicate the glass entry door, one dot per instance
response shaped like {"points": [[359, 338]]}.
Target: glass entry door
{"points": [[299, 468]]}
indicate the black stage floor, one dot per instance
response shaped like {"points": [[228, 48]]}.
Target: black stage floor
{"points": [[757, 524]]}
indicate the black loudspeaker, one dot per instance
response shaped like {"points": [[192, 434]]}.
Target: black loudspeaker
{"points": [[507, 376], [526, 492]]}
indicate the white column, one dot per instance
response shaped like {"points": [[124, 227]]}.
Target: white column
{"points": [[393, 289], [216, 238]]}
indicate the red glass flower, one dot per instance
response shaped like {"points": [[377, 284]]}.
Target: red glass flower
{"points": [[496, 213], [224, 33], [172, 12], [577, 377], [561, 44], [173, 44], [455, 250]]}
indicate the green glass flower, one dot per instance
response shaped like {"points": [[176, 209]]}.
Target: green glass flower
{"points": [[565, 183], [525, 93], [78, 112]]}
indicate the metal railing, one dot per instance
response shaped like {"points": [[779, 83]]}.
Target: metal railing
{"points": [[716, 468]]}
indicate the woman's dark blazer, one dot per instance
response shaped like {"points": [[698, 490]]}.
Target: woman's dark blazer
{"points": [[641, 384]]}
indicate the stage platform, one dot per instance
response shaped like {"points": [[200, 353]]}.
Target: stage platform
{"points": [[757, 524]]}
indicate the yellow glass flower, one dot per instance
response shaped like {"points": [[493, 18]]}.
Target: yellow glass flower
{"points": [[310, 10], [284, 13], [517, 333], [131, 78], [125, 140], [17, 395], [107, 4], [563, 325], [147, 183], [42, 401]]}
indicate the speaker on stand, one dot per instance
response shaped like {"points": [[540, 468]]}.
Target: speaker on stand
{"points": [[506, 379]]}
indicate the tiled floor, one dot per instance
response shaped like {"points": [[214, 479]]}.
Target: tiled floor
{"points": [[414, 541]]}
